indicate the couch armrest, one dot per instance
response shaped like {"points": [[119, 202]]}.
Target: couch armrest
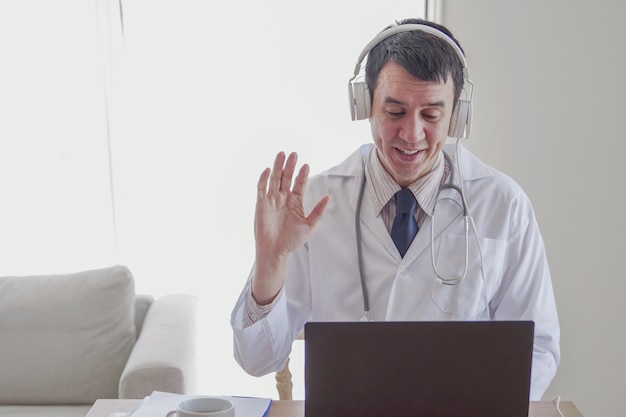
{"points": [[142, 305], [163, 358]]}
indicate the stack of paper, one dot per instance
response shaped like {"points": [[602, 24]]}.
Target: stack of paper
{"points": [[158, 404]]}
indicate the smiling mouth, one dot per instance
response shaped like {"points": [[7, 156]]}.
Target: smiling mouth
{"points": [[408, 152]]}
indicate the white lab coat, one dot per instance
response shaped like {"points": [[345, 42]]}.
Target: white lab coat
{"points": [[322, 278]]}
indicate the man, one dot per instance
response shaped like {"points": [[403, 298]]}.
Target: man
{"points": [[307, 267]]}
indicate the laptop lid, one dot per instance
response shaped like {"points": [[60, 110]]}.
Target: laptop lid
{"points": [[432, 369]]}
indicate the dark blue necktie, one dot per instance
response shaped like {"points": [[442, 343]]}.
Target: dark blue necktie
{"points": [[404, 226]]}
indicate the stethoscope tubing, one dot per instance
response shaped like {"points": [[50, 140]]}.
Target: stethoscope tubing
{"points": [[445, 280]]}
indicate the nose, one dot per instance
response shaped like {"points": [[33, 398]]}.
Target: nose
{"points": [[412, 129]]}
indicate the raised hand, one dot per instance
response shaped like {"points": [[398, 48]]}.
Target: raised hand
{"points": [[280, 224]]}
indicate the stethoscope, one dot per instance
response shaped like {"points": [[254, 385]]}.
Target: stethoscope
{"points": [[449, 185]]}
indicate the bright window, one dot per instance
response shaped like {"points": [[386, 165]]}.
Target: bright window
{"points": [[145, 150]]}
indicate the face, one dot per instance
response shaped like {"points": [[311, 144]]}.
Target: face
{"points": [[409, 122]]}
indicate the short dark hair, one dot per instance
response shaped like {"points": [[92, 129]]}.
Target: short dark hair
{"points": [[424, 55]]}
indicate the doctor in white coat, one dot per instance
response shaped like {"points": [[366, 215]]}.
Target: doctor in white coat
{"points": [[324, 250]]}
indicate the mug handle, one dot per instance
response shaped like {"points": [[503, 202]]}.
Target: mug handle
{"points": [[171, 413]]}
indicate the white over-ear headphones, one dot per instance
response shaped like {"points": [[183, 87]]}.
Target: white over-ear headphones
{"points": [[360, 100]]}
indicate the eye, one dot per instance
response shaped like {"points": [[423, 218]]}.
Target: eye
{"points": [[432, 116], [395, 111]]}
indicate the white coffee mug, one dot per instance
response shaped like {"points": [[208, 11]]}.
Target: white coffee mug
{"points": [[204, 406]]}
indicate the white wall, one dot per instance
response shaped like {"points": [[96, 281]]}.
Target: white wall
{"points": [[549, 111]]}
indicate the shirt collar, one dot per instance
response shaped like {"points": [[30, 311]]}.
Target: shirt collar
{"points": [[383, 187]]}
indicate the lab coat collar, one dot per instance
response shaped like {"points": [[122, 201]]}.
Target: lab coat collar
{"points": [[472, 169], [353, 166]]}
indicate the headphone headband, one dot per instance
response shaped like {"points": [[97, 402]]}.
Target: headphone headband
{"points": [[409, 28]]}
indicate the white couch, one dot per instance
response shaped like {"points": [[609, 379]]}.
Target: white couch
{"points": [[67, 340]]}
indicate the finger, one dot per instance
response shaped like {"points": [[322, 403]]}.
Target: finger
{"points": [[317, 212], [290, 167], [261, 188], [277, 171], [301, 180]]}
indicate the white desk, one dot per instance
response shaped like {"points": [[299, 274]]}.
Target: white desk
{"points": [[104, 408]]}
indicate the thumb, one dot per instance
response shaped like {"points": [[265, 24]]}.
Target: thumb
{"points": [[318, 211]]}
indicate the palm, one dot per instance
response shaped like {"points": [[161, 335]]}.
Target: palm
{"points": [[280, 223]]}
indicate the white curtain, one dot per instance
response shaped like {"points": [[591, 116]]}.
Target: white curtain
{"points": [[146, 150], [55, 210]]}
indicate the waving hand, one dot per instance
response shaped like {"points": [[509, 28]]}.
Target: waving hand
{"points": [[280, 224]]}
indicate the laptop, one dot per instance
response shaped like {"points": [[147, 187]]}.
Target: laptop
{"points": [[412, 369]]}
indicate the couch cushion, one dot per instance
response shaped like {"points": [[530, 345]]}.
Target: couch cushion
{"points": [[65, 338]]}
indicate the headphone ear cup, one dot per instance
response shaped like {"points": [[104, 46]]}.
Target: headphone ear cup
{"points": [[461, 120], [360, 101]]}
